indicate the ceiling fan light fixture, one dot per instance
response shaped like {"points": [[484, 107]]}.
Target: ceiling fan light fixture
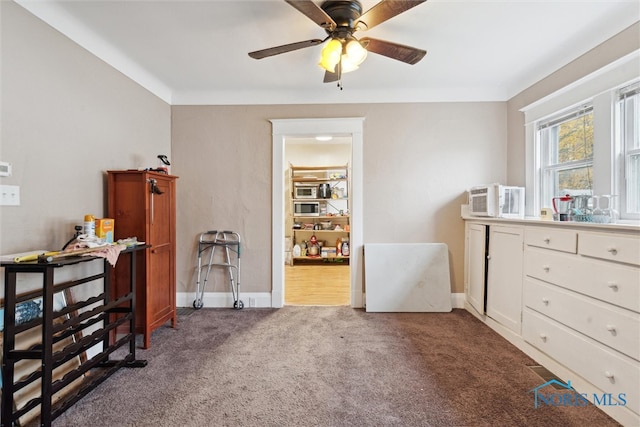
{"points": [[341, 19], [356, 53], [330, 56], [347, 65]]}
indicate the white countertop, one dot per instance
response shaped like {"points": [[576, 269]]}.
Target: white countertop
{"points": [[626, 226]]}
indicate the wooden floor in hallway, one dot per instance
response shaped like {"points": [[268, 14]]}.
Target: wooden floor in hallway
{"points": [[317, 285]]}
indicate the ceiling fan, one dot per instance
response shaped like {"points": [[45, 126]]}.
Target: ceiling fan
{"points": [[341, 19]]}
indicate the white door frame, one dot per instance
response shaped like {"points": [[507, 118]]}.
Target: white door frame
{"points": [[283, 128]]}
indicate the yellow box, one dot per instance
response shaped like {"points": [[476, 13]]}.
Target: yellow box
{"points": [[105, 229]]}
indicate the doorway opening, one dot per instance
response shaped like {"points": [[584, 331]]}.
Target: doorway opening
{"points": [[284, 129], [322, 278]]}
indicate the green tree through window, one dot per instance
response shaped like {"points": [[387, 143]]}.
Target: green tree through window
{"points": [[575, 143], [566, 143]]}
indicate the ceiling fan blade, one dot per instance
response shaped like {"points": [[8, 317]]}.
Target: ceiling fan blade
{"points": [[384, 11], [408, 54], [259, 54], [313, 12], [330, 77]]}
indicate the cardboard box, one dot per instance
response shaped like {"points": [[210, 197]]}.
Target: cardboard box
{"points": [[105, 229], [328, 252]]}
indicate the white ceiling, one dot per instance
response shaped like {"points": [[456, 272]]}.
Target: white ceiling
{"points": [[195, 52]]}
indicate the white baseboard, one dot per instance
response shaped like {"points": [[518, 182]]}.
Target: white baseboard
{"points": [[457, 300], [256, 299], [225, 299]]}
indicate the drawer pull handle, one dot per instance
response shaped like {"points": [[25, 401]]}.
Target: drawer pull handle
{"points": [[609, 375], [543, 337], [613, 286], [547, 240], [612, 329], [612, 251], [546, 268], [545, 301]]}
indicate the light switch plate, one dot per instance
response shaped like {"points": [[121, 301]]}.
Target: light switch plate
{"points": [[5, 169], [9, 195]]}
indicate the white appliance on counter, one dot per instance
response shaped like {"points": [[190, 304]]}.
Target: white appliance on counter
{"points": [[302, 191], [308, 208], [496, 200]]}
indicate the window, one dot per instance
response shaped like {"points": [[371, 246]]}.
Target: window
{"points": [[628, 117], [566, 153], [584, 139]]}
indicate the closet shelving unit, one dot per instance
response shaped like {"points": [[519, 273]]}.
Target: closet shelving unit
{"points": [[335, 209]]}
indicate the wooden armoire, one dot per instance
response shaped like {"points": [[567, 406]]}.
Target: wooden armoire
{"points": [[143, 205]]}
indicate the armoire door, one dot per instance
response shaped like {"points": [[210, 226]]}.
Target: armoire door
{"points": [[161, 280]]}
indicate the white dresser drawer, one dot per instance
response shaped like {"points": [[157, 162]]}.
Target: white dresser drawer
{"points": [[610, 282], [611, 247], [549, 238], [615, 327], [604, 368]]}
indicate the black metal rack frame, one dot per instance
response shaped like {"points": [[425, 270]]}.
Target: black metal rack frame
{"points": [[60, 325]]}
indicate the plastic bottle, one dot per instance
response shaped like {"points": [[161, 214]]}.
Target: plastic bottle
{"points": [[345, 247], [89, 225], [339, 247]]}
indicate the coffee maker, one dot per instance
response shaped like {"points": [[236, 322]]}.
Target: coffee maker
{"points": [[562, 206]]}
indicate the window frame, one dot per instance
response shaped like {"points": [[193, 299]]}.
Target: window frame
{"points": [[600, 88], [623, 150], [548, 169]]}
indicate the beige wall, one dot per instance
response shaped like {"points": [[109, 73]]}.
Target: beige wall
{"points": [[617, 47], [66, 118], [418, 161]]}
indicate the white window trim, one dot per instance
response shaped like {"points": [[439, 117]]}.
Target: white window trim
{"points": [[621, 166], [544, 150], [599, 88]]}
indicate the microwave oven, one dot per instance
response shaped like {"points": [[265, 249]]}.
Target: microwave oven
{"points": [[306, 208], [302, 191], [495, 200]]}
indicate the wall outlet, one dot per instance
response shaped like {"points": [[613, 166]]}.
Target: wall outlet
{"points": [[9, 195]]}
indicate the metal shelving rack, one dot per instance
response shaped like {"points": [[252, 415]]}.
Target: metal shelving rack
{"points": [[103, 310]]}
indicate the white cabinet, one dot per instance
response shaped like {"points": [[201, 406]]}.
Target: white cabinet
{"points": [[568, 295], [493, 272], [476, 258], [504, 276], [608, 370], [582, 306], [616, 328], [548, 238], [610, 247]]}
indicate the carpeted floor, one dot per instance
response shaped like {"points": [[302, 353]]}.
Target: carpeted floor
{"points": [[325, 366]]}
